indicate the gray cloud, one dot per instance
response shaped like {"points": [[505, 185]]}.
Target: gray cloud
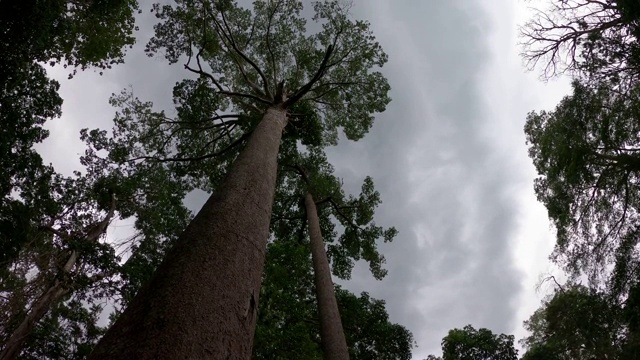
{"points": [[444, 186]]}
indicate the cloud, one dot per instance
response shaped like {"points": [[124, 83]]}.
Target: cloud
{"points": [[444, 184]]}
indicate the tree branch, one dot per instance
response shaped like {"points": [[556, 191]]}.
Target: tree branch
{"points": [[304, 89], [272, 57], [246, 58], [196, 158], [201, 72]]}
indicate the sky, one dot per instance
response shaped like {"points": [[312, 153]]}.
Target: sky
{"points": [[448, 157]]}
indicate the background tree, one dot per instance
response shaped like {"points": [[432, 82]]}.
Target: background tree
{"points": [[334, 343], [591, 38], [575, 323], [71, 33], [322, 183], [62, 257], [471, 344], [238, 46], [586, 152], [77, 34], [63, 263], [288, 325]]}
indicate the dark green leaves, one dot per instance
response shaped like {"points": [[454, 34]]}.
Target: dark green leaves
{"points": [[586, 152], [575, 323], [471, 344], [245, 55], [288, 325], [351, 215]]}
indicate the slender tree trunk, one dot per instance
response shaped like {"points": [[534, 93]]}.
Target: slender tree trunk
{"points": [[54, 293], [39, 309], [201, 302], [334, 344]]}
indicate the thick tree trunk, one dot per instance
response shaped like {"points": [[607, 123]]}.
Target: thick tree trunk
{"points": [[334, 344], [201, 302]]}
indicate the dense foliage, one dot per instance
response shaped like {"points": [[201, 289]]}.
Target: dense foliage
{"points": [[481, 344]]}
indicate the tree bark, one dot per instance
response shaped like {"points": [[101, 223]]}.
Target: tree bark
{"points": [[334, 343], [201, 302]]}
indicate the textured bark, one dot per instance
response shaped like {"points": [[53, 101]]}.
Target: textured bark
{"points": [[201, 302], [334, 344]]}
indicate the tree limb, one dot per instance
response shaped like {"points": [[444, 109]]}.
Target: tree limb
{"points": [[304, 89], [201, 72], [196, 158], [246, 58]]}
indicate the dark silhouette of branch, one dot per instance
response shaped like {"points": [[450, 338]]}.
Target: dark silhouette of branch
{"points": [[304, 89], [201, 72], [196, 158], [245, 57]]}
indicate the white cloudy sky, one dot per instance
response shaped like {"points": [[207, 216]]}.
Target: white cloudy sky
{"points": [[448, 157]]}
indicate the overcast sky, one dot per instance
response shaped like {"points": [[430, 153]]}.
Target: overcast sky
{"points": [[448, 157]]}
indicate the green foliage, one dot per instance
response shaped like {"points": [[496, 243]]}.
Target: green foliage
{"points": [[575, 323], [246, 54], [55, 228], [36, 202], [369, 333], [482, 344], [68, 331], [288, 326], [78, 34], [586, 152], [352, 215]]}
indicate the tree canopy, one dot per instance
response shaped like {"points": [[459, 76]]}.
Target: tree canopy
{"points": [[586, 152], [576, 322], [481, 344], [594, 39]]}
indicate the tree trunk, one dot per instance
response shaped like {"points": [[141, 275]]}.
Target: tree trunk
{"points": [[37, 312], [40, 308], [334, 344], [201, 302]]}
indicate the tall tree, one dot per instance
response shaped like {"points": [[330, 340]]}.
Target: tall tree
{"points": [[63, 264], [60, 287], [288, 324], [575, 323], [71, 33], [595, 38], [586, 152], [334, 344], [481, 344], [62, 257], [213, 312], [316, 175]]}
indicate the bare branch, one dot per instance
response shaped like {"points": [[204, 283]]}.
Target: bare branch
{"points": [[308, 86], [246, 58], [224, 92], [272, 57], [196, 158]]}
